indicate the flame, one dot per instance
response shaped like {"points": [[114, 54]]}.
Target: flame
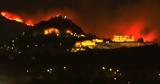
{"points": [[29, 23], [139, 28], [150, 37], [11, 16], [15, 17]]}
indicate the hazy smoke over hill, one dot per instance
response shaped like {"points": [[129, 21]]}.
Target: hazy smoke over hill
{"points": [[104, 18]]}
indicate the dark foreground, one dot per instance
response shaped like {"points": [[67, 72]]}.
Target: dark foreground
{"points": [[120, 66]]}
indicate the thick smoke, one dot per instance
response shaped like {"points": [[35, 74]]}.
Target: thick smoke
{"points": [[104, 18]]}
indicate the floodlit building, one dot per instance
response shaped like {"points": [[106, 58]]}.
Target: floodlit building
{"points": [[82, 45], [123, 38]]}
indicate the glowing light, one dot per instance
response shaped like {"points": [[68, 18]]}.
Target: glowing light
{"points": [[36, 45], [27, 46], [46, 32], [115, 73], [82, 45], [69, 32], [103, 68], [89, 44], [52, 31], [115, 78], [110, 69], [159, 74], [123, 38], [64, 68], [79, 35], [65, 17], [98, 40], [13, 41], [50, 70], [129, 82], [82, 35], [120, 74], [60, 44], [78, 49], [19, 52], [78, 44], [27, 70]]}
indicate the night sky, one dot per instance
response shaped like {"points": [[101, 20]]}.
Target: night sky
{"points": [[104, 18]]}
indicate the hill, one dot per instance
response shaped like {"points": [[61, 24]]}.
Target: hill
{"points": [[10, 29]]}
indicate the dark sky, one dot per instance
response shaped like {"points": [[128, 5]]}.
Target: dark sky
{"points": [[101, 17]]}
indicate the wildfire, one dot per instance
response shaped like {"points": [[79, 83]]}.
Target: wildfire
{"points": [[15, 17], [29, 23]]}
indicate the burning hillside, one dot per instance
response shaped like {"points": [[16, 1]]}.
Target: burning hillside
{"points": [[62, 23], [15, 17], [137, 28]]}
